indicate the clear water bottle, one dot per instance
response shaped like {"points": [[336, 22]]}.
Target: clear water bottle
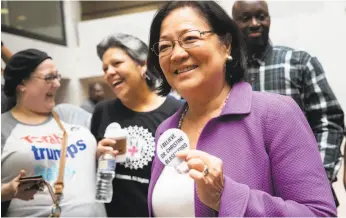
{"points": [[105, 176]]}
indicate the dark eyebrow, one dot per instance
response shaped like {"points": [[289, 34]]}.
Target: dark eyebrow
{"points": [[258, 11], [261, 11], [246, 13], [52, 72], [164, 38]]}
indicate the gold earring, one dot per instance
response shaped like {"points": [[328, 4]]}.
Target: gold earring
{"points": [[229, 58]]}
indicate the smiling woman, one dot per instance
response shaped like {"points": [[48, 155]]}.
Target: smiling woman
{"points": [[35, 84], [249, 152], [139, 110], [31, 142]]}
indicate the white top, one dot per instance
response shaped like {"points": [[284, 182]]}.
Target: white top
{"points": [[37, 149], [173, 194]]}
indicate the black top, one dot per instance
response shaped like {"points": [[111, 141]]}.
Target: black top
{"points": [[131, 182]]}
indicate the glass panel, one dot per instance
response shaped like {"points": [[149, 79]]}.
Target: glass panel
{"points": [[36, 19]]}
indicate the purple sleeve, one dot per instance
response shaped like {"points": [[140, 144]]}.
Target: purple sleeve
{"points": [[300, 183]]}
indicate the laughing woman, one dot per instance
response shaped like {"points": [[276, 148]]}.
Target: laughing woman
{"points": [[139, 110], [31, 140]]}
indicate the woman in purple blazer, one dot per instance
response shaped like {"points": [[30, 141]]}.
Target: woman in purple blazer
{"points": [[251, 153]]}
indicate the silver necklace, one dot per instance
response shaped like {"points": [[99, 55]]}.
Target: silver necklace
{"points": [[180, 123], [183, 168]]}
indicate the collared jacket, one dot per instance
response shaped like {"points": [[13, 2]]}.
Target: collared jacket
{"points": [[271, 162]]}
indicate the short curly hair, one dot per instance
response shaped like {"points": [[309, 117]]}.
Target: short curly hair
{"points": [[133, 46]]}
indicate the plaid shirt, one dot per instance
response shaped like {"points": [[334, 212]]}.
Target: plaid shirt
{"points": [[294, 73]]}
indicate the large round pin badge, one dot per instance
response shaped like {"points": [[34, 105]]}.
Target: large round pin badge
{"points": [[169, 143]]}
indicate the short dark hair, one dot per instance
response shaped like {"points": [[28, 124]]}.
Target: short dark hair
{"points": [[131, 45], [20, 67], [221, 24]]}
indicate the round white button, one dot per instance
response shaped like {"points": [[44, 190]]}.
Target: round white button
{"points": [[169, 143]]}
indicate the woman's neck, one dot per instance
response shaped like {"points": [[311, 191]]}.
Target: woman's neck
{"points": [[143, 100], [207, 105], [28, 116]]}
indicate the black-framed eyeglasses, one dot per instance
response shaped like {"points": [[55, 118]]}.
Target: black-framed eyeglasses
{"points": [[49, 78], [188, 39]]}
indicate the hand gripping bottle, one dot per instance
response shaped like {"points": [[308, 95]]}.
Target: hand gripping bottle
{"points": [[107, 163]]}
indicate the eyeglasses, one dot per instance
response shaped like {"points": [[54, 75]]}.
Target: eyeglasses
{"points": [[189, 39], [50, 78]]}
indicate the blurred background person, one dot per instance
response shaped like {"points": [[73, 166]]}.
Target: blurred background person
{"points": [[73, 114], [139, 110], [96, 94], [5, 53], [344, 179], [295, 73]]}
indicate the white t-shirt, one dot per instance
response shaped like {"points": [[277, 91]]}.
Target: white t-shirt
{"points": [[36, 149], [173, 194]]}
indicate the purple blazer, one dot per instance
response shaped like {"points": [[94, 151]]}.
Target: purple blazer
{"points": [[271, 162]]}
